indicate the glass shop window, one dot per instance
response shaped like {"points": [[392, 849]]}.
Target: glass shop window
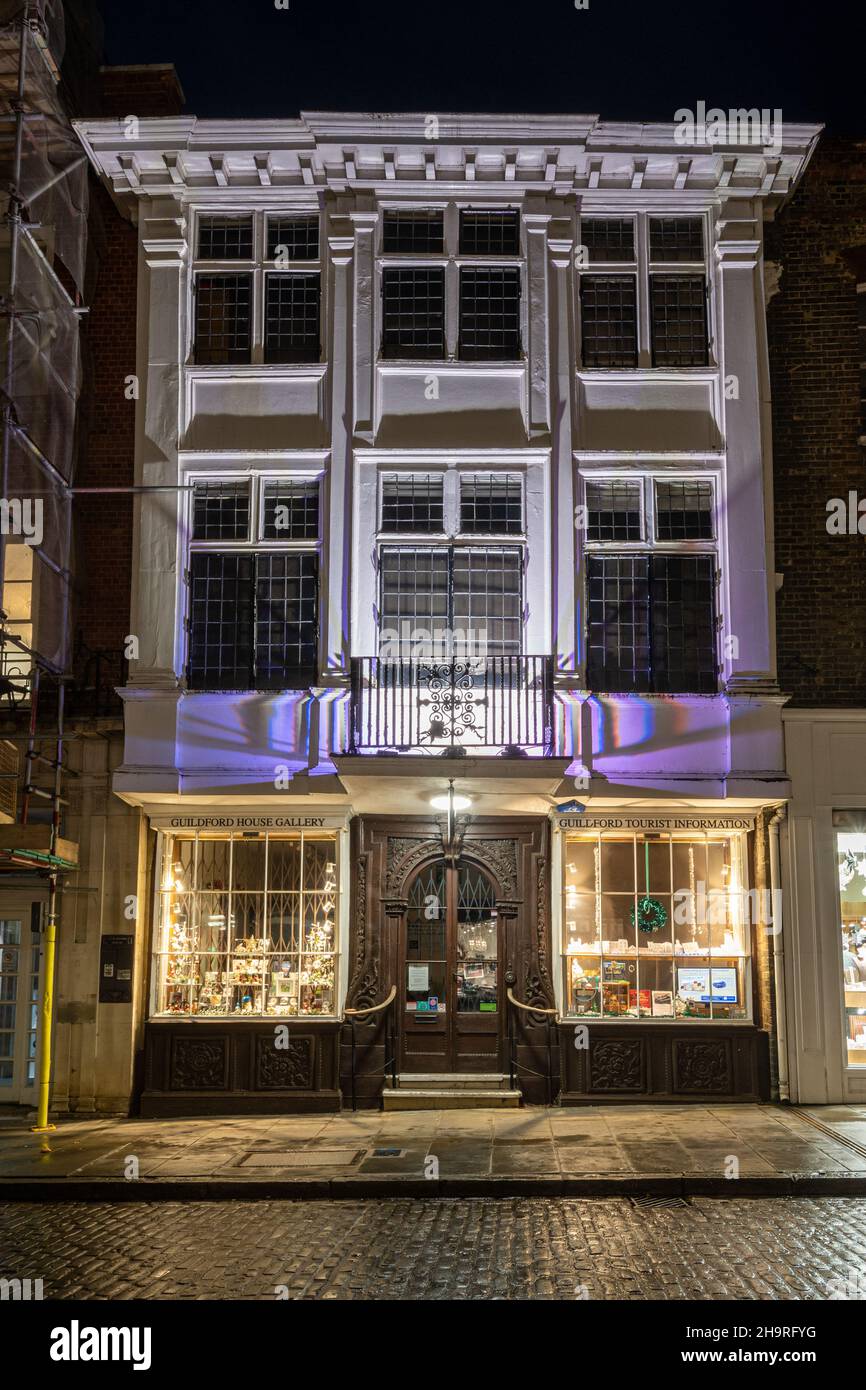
{"points": [[851, 868], [247, 927], [657, 926], [18, 604]]}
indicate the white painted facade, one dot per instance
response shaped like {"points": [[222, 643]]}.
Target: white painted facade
{"points": [[543, 418]]}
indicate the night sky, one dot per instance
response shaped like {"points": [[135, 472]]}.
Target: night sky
{"points": [[621, 59]]}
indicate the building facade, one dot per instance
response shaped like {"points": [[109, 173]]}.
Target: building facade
{"points": [[453, 481], [817, 326], [68, 263]]}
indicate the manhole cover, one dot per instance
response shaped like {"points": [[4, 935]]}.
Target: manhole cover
{"points": [[302, 1158]]}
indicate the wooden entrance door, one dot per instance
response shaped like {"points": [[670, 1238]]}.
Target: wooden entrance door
{"points": [[450, 994]]}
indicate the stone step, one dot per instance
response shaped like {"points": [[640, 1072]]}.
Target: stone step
{"points": [[453, 1081], [449, 1099]]}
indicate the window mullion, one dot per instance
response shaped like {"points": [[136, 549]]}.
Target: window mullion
{"points": [[451, 593], [650, 617], [451, 498], [254, 623], [644, 341], [452, 309]]}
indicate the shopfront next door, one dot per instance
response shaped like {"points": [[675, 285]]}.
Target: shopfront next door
{"points": [[449, 999], [20, 959]]}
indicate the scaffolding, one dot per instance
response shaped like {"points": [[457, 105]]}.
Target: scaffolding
{"points": [[43, 246]]}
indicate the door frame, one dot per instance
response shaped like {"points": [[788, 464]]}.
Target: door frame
{"points": [[385, 850], [15, 904], [448, 1023]]}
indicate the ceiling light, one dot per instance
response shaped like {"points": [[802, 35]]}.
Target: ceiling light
{"points": [[450, 801]]}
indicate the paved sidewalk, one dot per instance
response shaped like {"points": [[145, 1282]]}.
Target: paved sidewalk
{"points": [[713, 1150]]}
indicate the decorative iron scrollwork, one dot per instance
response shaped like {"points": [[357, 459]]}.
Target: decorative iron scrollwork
{"points": [[450, 691]]}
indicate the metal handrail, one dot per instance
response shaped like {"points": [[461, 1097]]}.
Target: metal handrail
{"points": [[548, 1016], [351, 1017], [374, 1008], [528, 1008]]}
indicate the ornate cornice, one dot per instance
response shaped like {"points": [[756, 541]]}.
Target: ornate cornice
{"points": [[401, 154]]}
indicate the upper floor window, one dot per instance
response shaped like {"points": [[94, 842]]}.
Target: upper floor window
{"points": [[491, 504], [257, 289], [451, 304], [451, 596], [413, 503], [651, 585], [452, 503], [631, 260], [253, 584]]}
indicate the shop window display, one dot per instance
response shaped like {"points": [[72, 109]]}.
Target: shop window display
{"points": [[247, 927], [656, 927], [851, 863]]}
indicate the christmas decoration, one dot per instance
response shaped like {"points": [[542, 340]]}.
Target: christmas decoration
{"points": [[650, 915]]}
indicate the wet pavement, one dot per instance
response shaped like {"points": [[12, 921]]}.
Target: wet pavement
{"points": [[767, 1149], [470, 1249]]}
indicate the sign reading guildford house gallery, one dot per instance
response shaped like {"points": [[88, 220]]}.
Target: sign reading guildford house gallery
{"points": [[242, 820]]}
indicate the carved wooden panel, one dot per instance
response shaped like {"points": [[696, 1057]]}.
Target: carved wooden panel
{"points": [[537, 984], [284, 1068], [616, 1064], [364, 990], [403, 855], [199, 1064], [703, 1065], [500, 857]]}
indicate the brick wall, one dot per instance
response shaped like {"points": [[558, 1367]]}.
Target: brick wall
{"points": [[815, 376], [106, 439], [103, 522], [145, 90]]}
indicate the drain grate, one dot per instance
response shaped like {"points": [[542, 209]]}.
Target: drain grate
{"points": [[302, 1158], [649, 1202]]}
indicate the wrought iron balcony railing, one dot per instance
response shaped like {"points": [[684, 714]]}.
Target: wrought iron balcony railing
{"points": [[488, 705]]}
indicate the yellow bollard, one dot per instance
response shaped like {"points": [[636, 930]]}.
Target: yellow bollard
{"points": [[43, 1070]]}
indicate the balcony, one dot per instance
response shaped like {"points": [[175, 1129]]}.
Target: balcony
{"points": [[492, 706]]}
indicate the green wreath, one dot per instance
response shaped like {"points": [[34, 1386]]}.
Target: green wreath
{"points": [[651, 915]]}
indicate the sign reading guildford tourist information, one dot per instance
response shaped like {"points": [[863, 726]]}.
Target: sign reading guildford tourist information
{"points": [[689, 820]]}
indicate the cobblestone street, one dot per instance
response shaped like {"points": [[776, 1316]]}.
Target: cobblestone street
{"points": [[601, 1249]]}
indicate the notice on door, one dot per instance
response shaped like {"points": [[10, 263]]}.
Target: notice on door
{"points": [[419, 978]]}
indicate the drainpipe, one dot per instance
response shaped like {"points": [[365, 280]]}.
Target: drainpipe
{"points": [[773, 825]]}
